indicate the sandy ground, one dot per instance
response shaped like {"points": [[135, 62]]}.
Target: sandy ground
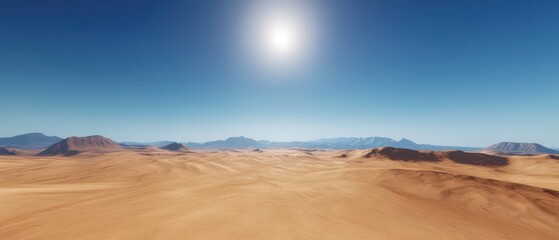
{"points": [[274, 194]]}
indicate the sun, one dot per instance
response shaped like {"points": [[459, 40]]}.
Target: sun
{"points": [[281, 38], [280, 35]]}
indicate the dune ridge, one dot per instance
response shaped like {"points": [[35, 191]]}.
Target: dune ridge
{"points": [[275, 194], [462, 157], [458, 187]]}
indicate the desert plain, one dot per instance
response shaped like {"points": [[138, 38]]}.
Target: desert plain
{"points": [[275, 194]]}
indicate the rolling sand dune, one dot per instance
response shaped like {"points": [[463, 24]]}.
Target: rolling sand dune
{"points": [[403, 154], [278, 194], [480, 159]]}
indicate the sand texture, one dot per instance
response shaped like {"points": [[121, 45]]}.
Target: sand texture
{"points": [[277, 194]]}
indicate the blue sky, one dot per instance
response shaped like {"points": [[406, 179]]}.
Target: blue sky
{"points": [[451, 72]]}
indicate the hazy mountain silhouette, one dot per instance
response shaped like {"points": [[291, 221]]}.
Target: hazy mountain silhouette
{"points": [[232, 142], [520, 148], [143, 144], [325, 143], [176, 147], [29, 141]]}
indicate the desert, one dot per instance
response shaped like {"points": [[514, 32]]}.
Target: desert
{"points": [[279, 119], [153, 193]]}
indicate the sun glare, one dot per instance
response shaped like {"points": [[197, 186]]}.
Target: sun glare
{"points": [[279, 36]]}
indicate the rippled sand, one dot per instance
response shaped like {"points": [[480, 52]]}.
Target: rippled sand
{"points": [[274, 194]]}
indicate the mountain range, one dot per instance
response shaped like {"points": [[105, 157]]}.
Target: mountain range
{"points": [[140, 144], [29, 141], [39, 140], [325, 143]]}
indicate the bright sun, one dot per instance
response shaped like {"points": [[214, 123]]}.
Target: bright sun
{"points": [[281, 38], [279, 35]]}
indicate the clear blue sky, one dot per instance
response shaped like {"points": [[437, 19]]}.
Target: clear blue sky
{"points": [[449, 72]]}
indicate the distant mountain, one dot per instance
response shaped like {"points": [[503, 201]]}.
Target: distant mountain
{"points": [[375, 142], [143, 144], [177, 147], [75, 145], [325, 143], [344, 143], [232, 142], [520, 148], [4, 151], [29, 141]]}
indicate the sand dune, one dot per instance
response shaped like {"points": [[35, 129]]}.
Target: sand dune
{"points": [[409, 155], [528, 204], [404, 154], [480, 159], [275, 194]]}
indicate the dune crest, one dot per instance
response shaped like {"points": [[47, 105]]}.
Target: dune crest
{"points": [[531, 205], [275, 194], [479, 159], [403, 154], [462, 157]]}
